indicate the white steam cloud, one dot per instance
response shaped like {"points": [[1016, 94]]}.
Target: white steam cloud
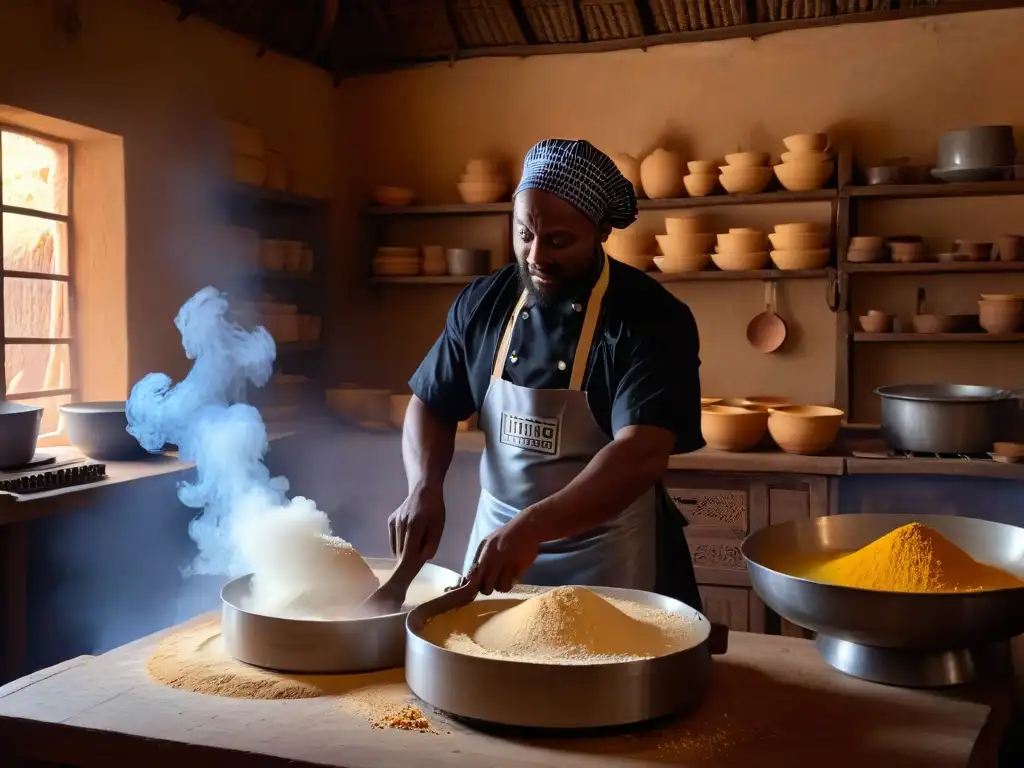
{"points": [[206, 417]]}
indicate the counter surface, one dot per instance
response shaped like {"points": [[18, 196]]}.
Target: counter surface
{"points": [[774, 703]]}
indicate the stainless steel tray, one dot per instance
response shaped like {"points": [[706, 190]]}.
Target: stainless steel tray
{"points": [[321, 647], [560, 696], [890, 637]]}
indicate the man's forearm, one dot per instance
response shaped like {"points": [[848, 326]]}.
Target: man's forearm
{"points": [[428, 443], [616, 477]]}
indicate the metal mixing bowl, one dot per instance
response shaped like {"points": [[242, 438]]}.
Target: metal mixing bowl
{"points": [[888, 619], [321, 647]]}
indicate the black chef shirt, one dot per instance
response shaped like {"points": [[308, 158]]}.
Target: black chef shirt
{"points": [[642, 370]]}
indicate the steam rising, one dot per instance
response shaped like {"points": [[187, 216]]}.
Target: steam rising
{"points": [[244, 511]]}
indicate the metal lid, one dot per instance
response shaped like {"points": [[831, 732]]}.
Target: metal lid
{"points": [[944, 393]]}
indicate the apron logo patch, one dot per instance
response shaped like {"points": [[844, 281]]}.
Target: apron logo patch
{"points": [[538, 435]]}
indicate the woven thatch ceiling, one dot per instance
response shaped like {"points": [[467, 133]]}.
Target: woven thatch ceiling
{"points": [[351, 36]]}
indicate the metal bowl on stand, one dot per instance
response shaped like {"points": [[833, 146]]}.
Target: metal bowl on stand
{"points": [[533, 695], [905, 639], [322, 647]]}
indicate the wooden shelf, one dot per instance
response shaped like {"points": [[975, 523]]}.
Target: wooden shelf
{"points": [[933, 267], [932, 338], [425, 280], [938, 189], [744, 274], [253, 193], [447, 209], [818, 195]]}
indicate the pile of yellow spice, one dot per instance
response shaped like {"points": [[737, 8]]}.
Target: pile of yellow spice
{"points": [[913, 558]]}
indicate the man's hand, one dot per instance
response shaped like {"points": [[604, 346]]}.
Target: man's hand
{"points": [[506, 555], [417, 525]]}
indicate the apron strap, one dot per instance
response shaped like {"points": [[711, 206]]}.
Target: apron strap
{"points": [[587, 333]]}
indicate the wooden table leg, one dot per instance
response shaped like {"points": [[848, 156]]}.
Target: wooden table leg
{"points": [[13, 600]]}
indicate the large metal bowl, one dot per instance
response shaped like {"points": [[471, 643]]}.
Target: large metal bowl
{"points": [[321, 647], [888, 619], [533, 695]]}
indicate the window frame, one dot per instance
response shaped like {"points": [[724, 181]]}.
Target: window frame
{"points": [[69, 279]]}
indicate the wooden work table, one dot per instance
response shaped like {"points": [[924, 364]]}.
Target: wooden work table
{"points": [[774, 702]]}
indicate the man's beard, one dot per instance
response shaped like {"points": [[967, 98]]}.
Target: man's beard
{"points": [[565, 288]]}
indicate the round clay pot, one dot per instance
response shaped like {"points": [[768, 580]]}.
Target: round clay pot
{"points": [[661, 174]]}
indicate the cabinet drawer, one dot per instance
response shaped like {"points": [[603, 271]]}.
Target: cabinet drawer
{"points": [[726, 507], [727, 605]]}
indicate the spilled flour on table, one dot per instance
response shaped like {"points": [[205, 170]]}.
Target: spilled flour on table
{"points": [[194, 660]]}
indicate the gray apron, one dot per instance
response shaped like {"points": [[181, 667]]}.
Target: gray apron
{"points": [[536, 442]]}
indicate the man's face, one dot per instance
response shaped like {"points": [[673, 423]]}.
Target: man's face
{"points": [[556, 246]]}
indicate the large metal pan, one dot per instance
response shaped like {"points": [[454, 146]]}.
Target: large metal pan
{"points": [[562, 696], [322, 647], [945, 418], [882, 635]]}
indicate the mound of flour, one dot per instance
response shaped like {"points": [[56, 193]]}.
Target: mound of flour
{"points": [[300, 570]]}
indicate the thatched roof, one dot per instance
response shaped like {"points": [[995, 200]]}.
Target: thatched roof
{"points": [[352, 36]]}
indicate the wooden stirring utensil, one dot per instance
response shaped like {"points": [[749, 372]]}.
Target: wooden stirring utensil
{"points": [[390, 596]]}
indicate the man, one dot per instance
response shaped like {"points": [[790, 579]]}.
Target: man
{"points": [[584, 372]]}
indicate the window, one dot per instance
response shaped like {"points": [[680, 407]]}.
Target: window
{"points": [[37, 349]]}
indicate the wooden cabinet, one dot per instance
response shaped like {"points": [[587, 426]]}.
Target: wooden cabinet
{"points": [[722, 509]]}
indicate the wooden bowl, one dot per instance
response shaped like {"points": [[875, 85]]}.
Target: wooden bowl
{"points": [[880, 323], [675, 265], [729, 262], [815, 259], [685, 225], [798, 241], [700, 184], [933, 323], [804, 429], [742, 180], [801, 227], [804, 177], [741, 241], [700, 167], [806, 142], [685, 245], [746, 160], [1001, 316], [727, 428]]}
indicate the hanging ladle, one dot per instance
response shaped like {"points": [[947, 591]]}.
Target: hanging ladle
{"points": [[766, 332]]}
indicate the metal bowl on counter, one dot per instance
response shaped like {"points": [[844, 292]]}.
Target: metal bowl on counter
{"points": [[908, 639], [100, 431], [959, 419], [534, 695], [322, 647]]}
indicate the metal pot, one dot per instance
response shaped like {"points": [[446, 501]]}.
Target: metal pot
{"points": [[945, 418], [100, 431], [19, 431]]}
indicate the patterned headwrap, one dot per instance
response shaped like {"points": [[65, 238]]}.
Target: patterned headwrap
{"points": [[583, 176]]}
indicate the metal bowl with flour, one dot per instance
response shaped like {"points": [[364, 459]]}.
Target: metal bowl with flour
{"points": [[536, 695], [324, 647], [907, 639]]}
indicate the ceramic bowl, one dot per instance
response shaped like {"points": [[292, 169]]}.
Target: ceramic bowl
{"points": [[746, 159], [684, 225], [679, 264], [739, 241], [811, 259], [700, 184], [702, 167], [800, 241], [806, 142], [740, 180], [804, 177], [727, 428], [730, 262], [804, 429], [675, 246]]}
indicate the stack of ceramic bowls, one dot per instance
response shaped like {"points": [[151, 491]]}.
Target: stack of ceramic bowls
{"points": [[799, 246], [395, 261], [741, 249], [684, 246], [631, 246], [702, 178], [807, 163], [482, 183], [745, 173]]}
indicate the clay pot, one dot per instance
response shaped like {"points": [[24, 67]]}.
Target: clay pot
{"points": [[804, 176], [661, 174], [875, 322], [933, 323], [1001, 316], [727, 428], [629, 167], [1010, 248], [804, 429], [973, 251], [700, 184], [745, 180]]}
